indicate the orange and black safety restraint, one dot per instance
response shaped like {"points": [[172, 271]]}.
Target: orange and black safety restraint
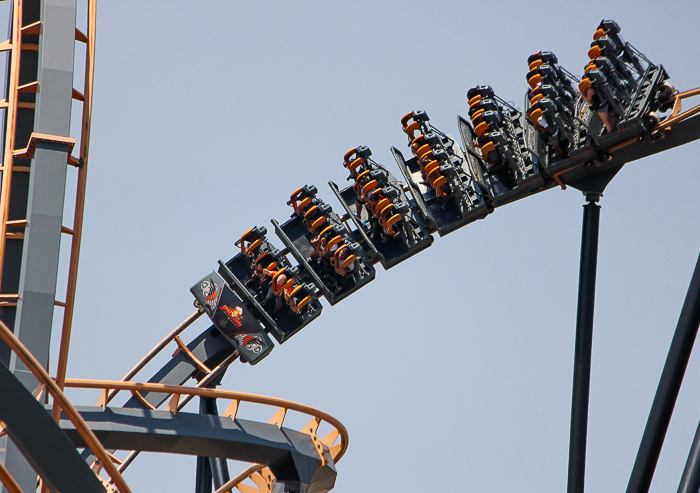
{"points": [[354, 164], [300, 200], [254, 242], [294, 295]]}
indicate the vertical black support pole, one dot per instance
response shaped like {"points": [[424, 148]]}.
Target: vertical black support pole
{"points": [[584, 342], [210, 469], [667, 391], [219, 469], [203, 478], [217, 465], [690, 481]]}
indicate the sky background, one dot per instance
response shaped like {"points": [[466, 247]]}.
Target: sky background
{"points": [[452, 371]]}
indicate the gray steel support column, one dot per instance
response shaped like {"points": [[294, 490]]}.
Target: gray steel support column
{"points": [[667, 391], [42, 235], [584, 341], [41, 441], [690, 481]]}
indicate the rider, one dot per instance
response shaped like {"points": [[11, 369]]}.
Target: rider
{"points": [[596, 103], [277, 291], [375, 216], [258, 280], [362, 198], [343, 275]]}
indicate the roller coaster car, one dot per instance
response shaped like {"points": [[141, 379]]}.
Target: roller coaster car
{"points": [[244, 272], [399, 220], [552, 100], [444, 187], [301, 233], [232, 317], [653, 93], [494, 143], [555, 126], [607, 42], [473, 159], [482, 106], [622, 75]]}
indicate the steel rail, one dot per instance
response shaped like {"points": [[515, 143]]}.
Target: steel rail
{"points": [[236, 397], [242, 476], [73, 415], [157, 349], [675, 117], [149, 357], [336, 451], [688, 93], [666, 124], [10, 127], [8, 481], [676, 114], [214, 373], [223, 365]]}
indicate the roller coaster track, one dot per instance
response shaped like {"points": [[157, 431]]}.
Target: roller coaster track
{"points": [[197, 357], [329, 451], [209, 355], [194, 434], [589, 171]]}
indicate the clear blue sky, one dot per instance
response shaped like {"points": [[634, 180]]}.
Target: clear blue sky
{"points": [[207, 115]]}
